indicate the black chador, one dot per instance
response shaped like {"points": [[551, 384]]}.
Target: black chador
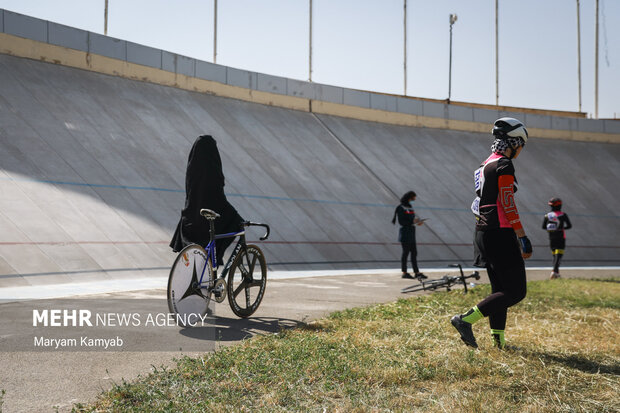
{"points": [[204, 188]]}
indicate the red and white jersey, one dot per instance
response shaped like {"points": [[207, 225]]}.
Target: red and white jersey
{"points": [[495, 185]]}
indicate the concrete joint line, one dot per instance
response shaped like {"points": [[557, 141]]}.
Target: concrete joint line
{"points": [[370, 172]]}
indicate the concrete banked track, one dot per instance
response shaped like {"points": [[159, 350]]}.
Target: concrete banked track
{"points": [[92, 180]]}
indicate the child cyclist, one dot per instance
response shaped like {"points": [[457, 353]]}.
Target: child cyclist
{"points": [[500, 242], [555, 223]]}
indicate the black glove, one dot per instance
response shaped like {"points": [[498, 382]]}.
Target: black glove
{"points": [[526, 245]]}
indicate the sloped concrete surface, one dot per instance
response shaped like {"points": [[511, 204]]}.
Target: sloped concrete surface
{"points": [[92, 181]]}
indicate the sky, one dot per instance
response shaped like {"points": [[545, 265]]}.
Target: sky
{"points": [[360, 43]]}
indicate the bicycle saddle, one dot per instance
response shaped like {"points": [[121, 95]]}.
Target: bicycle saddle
{"points": [[208, 214]]}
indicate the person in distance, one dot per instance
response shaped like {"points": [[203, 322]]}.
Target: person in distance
{"points": [[556, 222], [407, 220]]}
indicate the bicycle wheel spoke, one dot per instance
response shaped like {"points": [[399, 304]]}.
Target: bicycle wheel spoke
{"points": [[248, 304], [239, 288]]}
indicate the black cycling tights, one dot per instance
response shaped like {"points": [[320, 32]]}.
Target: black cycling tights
{"points": [[556, 262], [506, 270]]}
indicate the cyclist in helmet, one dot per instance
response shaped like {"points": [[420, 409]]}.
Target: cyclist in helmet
{"points": [[556, 222], [500, 243]]}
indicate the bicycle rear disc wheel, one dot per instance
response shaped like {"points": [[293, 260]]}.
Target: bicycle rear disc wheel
{"points": [[247, 280], [186, 299]]}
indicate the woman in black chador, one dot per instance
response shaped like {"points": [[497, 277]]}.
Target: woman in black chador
{"points": [[204, 188]]}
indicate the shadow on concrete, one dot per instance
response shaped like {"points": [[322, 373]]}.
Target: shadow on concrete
{"points": [[229, 330]]}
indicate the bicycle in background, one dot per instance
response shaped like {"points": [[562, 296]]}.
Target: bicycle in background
{"points": [[447, 281]]}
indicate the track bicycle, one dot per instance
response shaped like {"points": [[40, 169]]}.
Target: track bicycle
{"points": [[446, 281], [193, 279]]}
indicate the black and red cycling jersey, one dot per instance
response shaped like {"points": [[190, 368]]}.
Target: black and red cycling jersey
{"points": [[495, 185]]}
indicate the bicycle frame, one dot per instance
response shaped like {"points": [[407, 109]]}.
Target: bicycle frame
{"points": [[212, 252], [212, 255]]}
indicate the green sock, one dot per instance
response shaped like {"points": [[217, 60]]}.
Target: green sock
{"points": [[472, 315], [498, 338]]}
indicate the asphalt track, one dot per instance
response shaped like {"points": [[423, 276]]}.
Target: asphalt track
{"points": [[41, 381]]}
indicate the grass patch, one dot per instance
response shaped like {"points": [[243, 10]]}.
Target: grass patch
{"points": [[405, 356]]}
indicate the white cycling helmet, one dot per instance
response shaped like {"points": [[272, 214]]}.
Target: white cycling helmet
{"points": [[505, 128]]}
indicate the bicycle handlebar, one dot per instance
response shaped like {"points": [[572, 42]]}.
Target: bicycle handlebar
{"points": [[256, 224]]}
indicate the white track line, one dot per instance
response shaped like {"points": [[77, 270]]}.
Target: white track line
{"points": [[9, 294]]}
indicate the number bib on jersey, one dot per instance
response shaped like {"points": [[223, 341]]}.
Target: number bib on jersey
{"points": [[475, 206], [553, 222], [479, 179], [478, 184]]}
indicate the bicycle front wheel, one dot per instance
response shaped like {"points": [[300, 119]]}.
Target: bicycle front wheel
{"points": [[187, 297], [247, 280]]}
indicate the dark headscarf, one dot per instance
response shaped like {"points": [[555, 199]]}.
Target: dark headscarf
{"points": [[404, 200], [204, 188]]}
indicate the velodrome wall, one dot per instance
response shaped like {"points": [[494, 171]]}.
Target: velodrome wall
{"points": [[93, 151]]}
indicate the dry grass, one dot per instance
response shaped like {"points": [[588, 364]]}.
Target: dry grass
{"points": [[405, 356]]}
